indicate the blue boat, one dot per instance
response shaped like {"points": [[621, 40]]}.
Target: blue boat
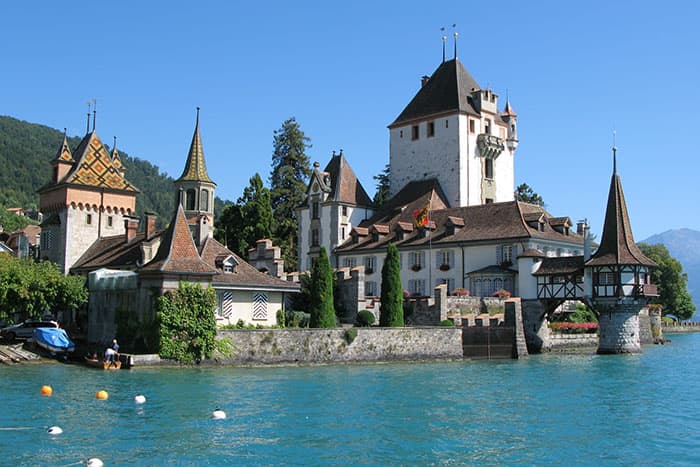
{"points": [[53, 339]]}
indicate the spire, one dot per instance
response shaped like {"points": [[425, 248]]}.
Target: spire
{"points": [[614, 150], [195, 168], [617, 243], [64, 154], [508, 110]]}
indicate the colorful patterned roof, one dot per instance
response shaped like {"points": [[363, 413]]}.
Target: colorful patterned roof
{"points": [[116, 160], [64, 154], [195, 168], [95, 168]]}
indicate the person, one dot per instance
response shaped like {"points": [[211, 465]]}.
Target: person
{"points": [[115, 346], [110, 355]]}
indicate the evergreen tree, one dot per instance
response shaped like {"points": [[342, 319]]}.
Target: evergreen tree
{"points": [[290, 172], [391, 309], [526, 194], [672, 283], [247, 221], [382, 194], [321, 309]]}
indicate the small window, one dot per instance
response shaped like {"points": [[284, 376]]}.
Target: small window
{"points": [[487, 126], [345, 210], [315, 237], [349, 262], [414, 132], [315, 210], [342, 233], [204, 202], [400, 133], [88, 219], [447, 123], [189, 199], [110, 221], [471, 126], [488, 168], [489, 200], [369, 264], [431, 129], [370, 289]]}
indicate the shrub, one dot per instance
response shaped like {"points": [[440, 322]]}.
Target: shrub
{"points": [[365, 318], [447, 323], [298, 319], [281, 321], [350, 335]]}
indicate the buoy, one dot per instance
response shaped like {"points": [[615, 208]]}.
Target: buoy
{"points": [[46, 391], [139, 398], [54, 430], [102, 395], [218, 414], [94, 462]]}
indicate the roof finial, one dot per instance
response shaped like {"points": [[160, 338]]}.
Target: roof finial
{"points": [[444, 39], [65, 132], [88, 116], [114, 148], [456, 34], [94, 113], [197, 116], [614, 149]]}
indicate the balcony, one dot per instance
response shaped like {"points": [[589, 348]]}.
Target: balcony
{"points": [[489, 146], [647, 290]]}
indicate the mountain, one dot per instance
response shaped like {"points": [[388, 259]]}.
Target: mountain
{"points": [[684, 245], [26, 150]]}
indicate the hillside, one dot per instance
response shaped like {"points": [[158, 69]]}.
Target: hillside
{"points": [[27, 148], [684, 245]]}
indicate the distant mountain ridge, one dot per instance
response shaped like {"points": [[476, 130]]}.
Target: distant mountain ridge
{"points": [[26, 150], [684, 245]]}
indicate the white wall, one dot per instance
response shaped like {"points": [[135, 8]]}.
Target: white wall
{"points": [[242, 307]]}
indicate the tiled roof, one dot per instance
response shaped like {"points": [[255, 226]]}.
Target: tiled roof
{"points": [[531, 253], [617, 243], [560, 265], [111, 252], [116, 159], [177, 252], [64, 154], [244, 274], [195, 168], [448, 89]]}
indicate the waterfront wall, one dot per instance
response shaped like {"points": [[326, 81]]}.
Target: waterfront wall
{"points": [[560, 342], [338, 345], [681, 327]]}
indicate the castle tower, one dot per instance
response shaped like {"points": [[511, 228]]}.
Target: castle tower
{"points": [[196, 191], [452, 130], [621, 277], [87, 198]]}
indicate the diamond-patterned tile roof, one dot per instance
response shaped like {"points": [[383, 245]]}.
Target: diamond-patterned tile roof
{"points": [[95, 167]]}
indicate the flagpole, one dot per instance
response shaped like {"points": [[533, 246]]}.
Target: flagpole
{"points": [[430, 246]]}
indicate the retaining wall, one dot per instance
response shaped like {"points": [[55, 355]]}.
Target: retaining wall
{"points": [[561, 342], [318, 346]]}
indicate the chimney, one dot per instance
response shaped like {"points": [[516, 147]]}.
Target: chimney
{"points": [[130, 226], [586, 242], [424, 80], [150, 224], [579, 227]]}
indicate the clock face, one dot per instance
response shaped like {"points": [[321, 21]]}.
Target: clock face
{"points": [[314, 188]]}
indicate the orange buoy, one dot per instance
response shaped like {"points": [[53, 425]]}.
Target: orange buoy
{"points": [[102, 395], [46, 391]]}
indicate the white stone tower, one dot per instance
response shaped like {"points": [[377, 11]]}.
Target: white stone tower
{"points": [[196, 191], [452, 130]]}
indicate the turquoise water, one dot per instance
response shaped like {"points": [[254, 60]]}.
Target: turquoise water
{"points": [[549, 409]]}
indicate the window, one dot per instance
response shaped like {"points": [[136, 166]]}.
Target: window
{"points": [[471, 126], [370, 289], [349, 262], [314, 210], [260, 300], [345, 211], [46, 239], [88, 219], [228, 268], [431, 129], [189, 199], [505, 254], [488, 168], [110, 221], [369, 264], [414, 132], [488, 200], [606, 278], [342, 233], [416, 260], [447, 123], [487, 126], [315, 237], [416, 286], [204, 202], [444, 260]]}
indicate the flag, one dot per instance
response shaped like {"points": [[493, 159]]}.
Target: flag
{"points": [[420, 216]]}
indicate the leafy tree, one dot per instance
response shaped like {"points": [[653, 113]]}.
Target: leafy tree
{"points": [[391, 309], [10, 221], [673, 290], [527, 195], [321, 307], [29, 289], [186, 322], [244, 223], [290, 172], [382, 194]]}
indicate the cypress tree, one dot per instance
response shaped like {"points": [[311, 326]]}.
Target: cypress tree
{"points": [[322, 312], [391, 309]]}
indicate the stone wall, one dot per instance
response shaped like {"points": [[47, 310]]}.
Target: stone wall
{"points": [[619, 326], [560, 342], [317, 346], [350, 293]]}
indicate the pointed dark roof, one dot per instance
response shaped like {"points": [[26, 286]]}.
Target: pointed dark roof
{"points": [[617, 243], [116, 159], [345, 187], [508, 111], [449, 89], [195, 168], [64, 154], [177, 252]]}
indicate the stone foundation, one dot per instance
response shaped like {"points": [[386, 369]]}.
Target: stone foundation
{"points": [[619, 326]]}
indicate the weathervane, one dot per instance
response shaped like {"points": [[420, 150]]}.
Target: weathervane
{"points": [[614, 149], [89, 104]]}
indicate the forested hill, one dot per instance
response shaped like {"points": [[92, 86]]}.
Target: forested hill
{"points": [[26, 150]]}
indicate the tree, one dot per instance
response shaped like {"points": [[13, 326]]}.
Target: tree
{"points": [[527, 195], [246, 222], [9, 222], [382, 194], [290, 172], [321, 308], [672, 284], [187, 327], [391, 309]]}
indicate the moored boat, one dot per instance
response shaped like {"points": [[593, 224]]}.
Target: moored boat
{"points": [[95, 363], [53, 339]]}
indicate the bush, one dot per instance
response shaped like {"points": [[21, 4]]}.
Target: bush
{"points": [[365, 318], [350, 335], [281, 321], [447, 323], [297, 319]]}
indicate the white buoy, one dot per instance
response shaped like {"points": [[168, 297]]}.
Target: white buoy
{"points": [[94, 462], [54, 430], [139, 398], [218, 414]]}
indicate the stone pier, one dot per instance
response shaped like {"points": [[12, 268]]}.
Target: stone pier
{"points": [[619, 330]]}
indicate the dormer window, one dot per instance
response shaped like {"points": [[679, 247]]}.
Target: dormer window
{"points": [[227, 263]]}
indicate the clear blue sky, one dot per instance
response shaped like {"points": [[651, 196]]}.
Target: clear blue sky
{"points": [[573, 71]]}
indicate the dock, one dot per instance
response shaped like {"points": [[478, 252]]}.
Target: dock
{"points": [[15, 353]]}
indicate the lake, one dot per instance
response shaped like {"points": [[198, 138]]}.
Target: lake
{"points": [[547, 409]]}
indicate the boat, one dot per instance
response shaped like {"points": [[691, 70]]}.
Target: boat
{"points": [[95, 363], [54, 340]]}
